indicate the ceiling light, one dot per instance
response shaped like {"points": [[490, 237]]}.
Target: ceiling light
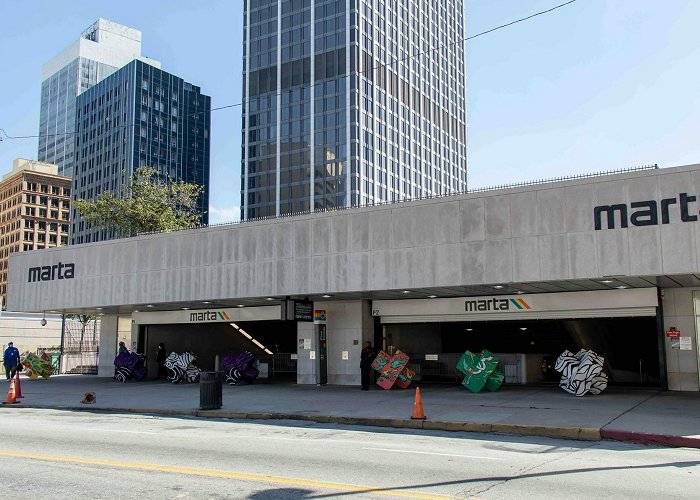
{"points": [[206, 302], [498, 287], [269, 298], [149, 305], [406, 291], [98, 308], [621, 287], [523, 328], [326, 296], [519, 292], [606, 281], [185, 308], [136, 310], [469, 329], [241, 305], [432, 296]]}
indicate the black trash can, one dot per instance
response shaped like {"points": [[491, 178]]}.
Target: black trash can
{"points": [[210, 389]]}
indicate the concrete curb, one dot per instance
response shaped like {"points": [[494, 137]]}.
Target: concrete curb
{"points": [[573, 433], [658, 439]]}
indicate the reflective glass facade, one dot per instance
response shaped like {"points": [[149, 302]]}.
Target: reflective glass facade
{"points": [[337, 113], [57, 112], [139, 116]]}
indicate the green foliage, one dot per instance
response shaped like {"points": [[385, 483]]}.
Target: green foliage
{"points": [[149, 204]]}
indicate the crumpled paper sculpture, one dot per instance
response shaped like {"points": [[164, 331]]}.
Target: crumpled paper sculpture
{"points": [[181, 367], [393, 370], [129, 365], [239, 366], [480, 370], [581, 372], [37, 366]]}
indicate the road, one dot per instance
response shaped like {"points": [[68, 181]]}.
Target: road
{"points": [[55, 454]]}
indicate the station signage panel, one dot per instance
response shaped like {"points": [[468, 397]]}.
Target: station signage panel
{"points": [[297, 310]]}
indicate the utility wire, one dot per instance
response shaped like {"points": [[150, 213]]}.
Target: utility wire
{"points": [[395, 61]]}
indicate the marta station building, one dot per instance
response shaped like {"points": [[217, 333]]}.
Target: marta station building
{"points": [[609, 263]]}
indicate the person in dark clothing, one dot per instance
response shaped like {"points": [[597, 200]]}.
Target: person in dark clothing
{"points": [[10, 359], [366, 358], [161, 355], [122, 349]]}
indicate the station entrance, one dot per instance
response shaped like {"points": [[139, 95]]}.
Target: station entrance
{"points": [[528, 333], [218, 332]]}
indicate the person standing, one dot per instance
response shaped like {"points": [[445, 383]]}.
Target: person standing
{"points": [[10, 359], [161, 355], [366, 358]]}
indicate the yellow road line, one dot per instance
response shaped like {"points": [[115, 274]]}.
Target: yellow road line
{"points": [[375, 490]]}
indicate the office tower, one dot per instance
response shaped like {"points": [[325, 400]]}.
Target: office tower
{"points": [[138, 116], [101, 49], [34, 211], [351, 102]]}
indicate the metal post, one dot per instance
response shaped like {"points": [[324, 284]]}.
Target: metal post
{"points": [[60, 351]]}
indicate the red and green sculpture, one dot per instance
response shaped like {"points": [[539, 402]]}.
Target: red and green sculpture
{"points": [[393, 370], [37, 366], [480, 370]]}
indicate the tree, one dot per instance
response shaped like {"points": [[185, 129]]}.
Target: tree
{"points": [[149, 204]]}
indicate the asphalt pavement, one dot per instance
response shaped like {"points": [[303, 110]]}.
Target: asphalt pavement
{"points": [[625, 414]]}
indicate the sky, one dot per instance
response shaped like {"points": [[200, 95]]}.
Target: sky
{"points": [[593, 86]]}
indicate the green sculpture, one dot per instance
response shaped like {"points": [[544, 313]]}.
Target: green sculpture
{"points": [[480, 370]]}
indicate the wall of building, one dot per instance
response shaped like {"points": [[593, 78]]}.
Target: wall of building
{"points": [[528, 234], [681, 311], [27, 334]]}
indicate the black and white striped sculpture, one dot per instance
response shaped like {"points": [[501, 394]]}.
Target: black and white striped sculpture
{"points": [[581, 372], [181, 367]]}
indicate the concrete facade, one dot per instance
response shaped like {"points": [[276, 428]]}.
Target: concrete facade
{"points": [[540, 236]]}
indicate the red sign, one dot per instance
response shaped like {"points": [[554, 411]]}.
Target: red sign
{"points": [[673, 333]]}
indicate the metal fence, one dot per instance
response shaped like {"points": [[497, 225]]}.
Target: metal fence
{"points": [[280, 365], [444, 369]]}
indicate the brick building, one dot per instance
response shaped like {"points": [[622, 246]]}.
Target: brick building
{"points": [[34, 211]]}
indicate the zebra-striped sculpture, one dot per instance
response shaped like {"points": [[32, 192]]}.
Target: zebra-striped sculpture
{"points": [[181, 367], [581, 372]]}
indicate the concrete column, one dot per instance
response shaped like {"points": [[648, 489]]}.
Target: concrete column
{"points": [[679, 312], [114, 329], [306, 367], [348, 325]]}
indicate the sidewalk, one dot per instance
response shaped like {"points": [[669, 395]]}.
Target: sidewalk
{"points": [[666, 418]]}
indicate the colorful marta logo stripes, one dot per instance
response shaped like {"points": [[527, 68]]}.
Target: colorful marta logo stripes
{"points": [[224, 316], [520, 304]]}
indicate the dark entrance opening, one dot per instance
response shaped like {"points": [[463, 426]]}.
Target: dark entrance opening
{"points": [[272, 342], [629, 345]]}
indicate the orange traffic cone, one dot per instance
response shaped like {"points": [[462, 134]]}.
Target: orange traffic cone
{"points": [[418, 407], [11, 395], [19, 387]]}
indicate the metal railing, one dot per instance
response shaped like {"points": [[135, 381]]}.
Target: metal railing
{"points": [[444, 369]]}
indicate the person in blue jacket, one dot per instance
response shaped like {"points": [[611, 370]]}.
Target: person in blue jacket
{"points": [[10, 359]]}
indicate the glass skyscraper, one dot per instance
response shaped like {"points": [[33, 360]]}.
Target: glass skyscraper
{"points": [[138, 116], [351, 102], [101, 49]]}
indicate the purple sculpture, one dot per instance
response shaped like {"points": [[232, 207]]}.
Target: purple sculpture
{"points": [[239, 366], [128, 366]]}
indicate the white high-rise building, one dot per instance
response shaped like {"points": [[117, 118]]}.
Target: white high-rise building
{"points": [[101, 49], [351, 102]]}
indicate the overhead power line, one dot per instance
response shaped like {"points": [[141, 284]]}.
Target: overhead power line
{"points": [[389, 64]]}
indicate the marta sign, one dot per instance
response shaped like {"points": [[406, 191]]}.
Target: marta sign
{"points": [[49, 273], [646, 213]]}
